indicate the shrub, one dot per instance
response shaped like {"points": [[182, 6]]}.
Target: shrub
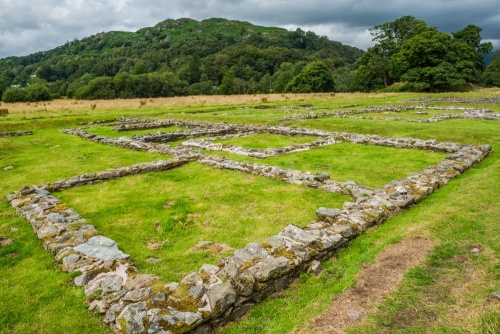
{"points": [[13, 94], [38, 92], [98, 88]]}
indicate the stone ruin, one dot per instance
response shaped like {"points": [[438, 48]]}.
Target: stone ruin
{"points": [[465, 113], [133, 302], [16, 133]]}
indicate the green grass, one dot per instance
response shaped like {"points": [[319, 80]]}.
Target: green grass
{"points": [[108, 132], [368, 165], [261, 141], [411, 114], [50, 156], [452, 286], [37, 296], [450, 217], [193, 203]]}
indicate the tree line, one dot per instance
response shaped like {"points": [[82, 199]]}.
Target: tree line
{"points": [[421, 58], [218, 56]]}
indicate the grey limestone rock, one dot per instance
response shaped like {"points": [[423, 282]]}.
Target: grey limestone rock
{"points": [[189, 318], [49, 231], [196, 291], [314, 268], [324, 213], [56, 218], [101, 248], [243, 283], [137, 295], [209, 269], [270, 267], [321, 177], [251, 252], [159, 297], [296, 233], [131, 319], [221, 296], [82, 279], [495, 294], [172, 286], [108, 282], [192, 279], [275, 241]]}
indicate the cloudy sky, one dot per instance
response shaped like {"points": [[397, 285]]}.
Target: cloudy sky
{"points": [[27, 26]]}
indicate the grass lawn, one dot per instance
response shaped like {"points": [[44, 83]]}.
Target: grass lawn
{"points": [[447, 293], [108, 132], [262, 140], [191, 204], [368, 165]]}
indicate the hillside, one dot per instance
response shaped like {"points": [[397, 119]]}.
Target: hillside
{"points": [[196, 52]]}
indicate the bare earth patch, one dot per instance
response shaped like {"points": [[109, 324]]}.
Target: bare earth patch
{"points": [[5, 241], [375, 282]]}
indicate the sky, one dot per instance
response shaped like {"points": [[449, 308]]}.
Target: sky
{"points": [[28, 26]]}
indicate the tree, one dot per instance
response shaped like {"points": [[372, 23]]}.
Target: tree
{"points": [[38, 92], [124, 85], [391, 36], [172, 85], [3, 86], [491, 76], [377, 63], [13, 94], [283, 77], [202, 88], [98, 88], [433, 60], [315, 77], [364, 81], [194, 69], [227, 85], [472, 36], [265, 84], [343, 78], [78, 83]]}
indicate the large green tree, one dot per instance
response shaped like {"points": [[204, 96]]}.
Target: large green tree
{"points": [[472, 36], [491, 76], [391, 36], [315, 77], [374, 65], [3, 87], [227, 86], [433, 60]]}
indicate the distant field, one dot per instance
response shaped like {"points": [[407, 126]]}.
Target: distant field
{"points": [[175, 210]]}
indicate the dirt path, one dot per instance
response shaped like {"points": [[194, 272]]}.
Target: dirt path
{"points": [[375, 282]]}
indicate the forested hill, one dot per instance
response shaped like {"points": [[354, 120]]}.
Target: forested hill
{"points": [[192, 52]]}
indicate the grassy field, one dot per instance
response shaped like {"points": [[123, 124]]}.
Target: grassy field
{"points": [[448, 293]]}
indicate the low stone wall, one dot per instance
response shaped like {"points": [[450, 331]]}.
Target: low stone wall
{"points": [[456, 99], [93, 178], [467, 113], [16, 133], [138, 303], [136, 145], [208, 145], [200, 129], [100, 121]]}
